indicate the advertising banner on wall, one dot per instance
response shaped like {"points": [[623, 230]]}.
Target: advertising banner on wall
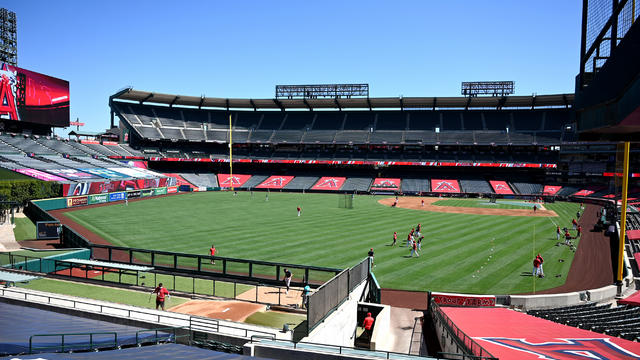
{"points": [[275, 182], [445, 186], [160, 191], [501, 187], [551, 189], [385, 184], [116, 196], [329, 183], [227, 181], [77, 201], [98, 199], [463, 300], [33, 97]]}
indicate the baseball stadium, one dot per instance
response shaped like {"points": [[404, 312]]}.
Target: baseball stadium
{"points": [[324, 223]]}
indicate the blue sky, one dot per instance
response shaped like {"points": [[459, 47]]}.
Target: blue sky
{"points": [[245, 48]]}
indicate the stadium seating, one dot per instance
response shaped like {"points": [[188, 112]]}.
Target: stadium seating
{"points": [[619, 321], [527, 188], [351, 136], [168, 116], [424, 120], [357, 184], [491, 137], [475, 186], [472, 120], [271, 120], [299, 120], [390, 120], [328, 120], [451, 120], [319, 136], [527, 120], [254, 181], [287, 136], [201, 180], [301, 183], [385, 137], [497, 120], [417, 136], [359, 120], [415, 185]]}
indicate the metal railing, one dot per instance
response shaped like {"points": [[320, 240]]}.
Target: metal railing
{"points": [[232, 268], [191, 322], [191, 284], [466, 343], [74, 346]]}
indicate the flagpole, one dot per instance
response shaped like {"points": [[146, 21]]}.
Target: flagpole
{"points": [[230, 152]]}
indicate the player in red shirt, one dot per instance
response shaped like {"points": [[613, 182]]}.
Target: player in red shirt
{"points": [[579, 231], [299, 210], [422, 202], [161, 293], [395, 238], [536, 266], [213, 253], [575, 223], [367, 324], [540, 270]]}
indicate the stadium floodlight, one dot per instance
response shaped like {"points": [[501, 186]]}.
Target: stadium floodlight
{"points": [[8, 37], [493, 88], [335, 91]]}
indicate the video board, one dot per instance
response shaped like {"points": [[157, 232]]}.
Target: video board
{"points": [[33, 97]]}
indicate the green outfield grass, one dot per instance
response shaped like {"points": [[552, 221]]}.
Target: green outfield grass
{"points": [[484, 203], [461, 253], [127, 297], [275, 319], [25, 229]]}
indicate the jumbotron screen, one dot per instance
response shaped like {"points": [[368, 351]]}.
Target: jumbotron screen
{"points": [[33, 97]]}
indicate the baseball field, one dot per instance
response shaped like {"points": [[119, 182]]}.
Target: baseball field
{"points": [[470, 245]]}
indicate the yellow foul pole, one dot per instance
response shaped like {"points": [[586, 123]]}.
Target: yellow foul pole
{"points": [[230, 153], [623, 217]]}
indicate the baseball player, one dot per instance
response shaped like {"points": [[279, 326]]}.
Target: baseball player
{"points": [[536, 265], [299, 210], [558, 233], [540, 271], [287, 279], [395, 238]]}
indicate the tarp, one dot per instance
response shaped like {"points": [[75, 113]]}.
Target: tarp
{"points": [[551, 189], [329, 183], [73, 174], [501, 187], [386, 184], [508, 334], [445, 186], [275, 182], [40, 175], [226, 180], [584, 192]]}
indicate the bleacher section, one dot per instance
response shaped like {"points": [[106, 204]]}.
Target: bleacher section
{"points": [[415, 185], [527, 188], [356, 184], [475, 186], [621, 321], [524, 127], [301, 183], [201, 180]]}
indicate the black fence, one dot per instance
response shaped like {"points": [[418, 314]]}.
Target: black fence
{"points": [[331, 295], [253, 271]]}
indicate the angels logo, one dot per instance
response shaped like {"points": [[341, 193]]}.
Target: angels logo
{"points": [[276, 181], [8, 93], [445, 186], [386, 184], [501, 187], [329, 183], [551, 189], [233, 180], [600, 349]]}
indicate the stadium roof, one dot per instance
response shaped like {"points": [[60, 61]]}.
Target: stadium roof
{"points": [[531, 101]]}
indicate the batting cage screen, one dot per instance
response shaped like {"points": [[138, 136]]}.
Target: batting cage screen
{"points": [[345, 201]]}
